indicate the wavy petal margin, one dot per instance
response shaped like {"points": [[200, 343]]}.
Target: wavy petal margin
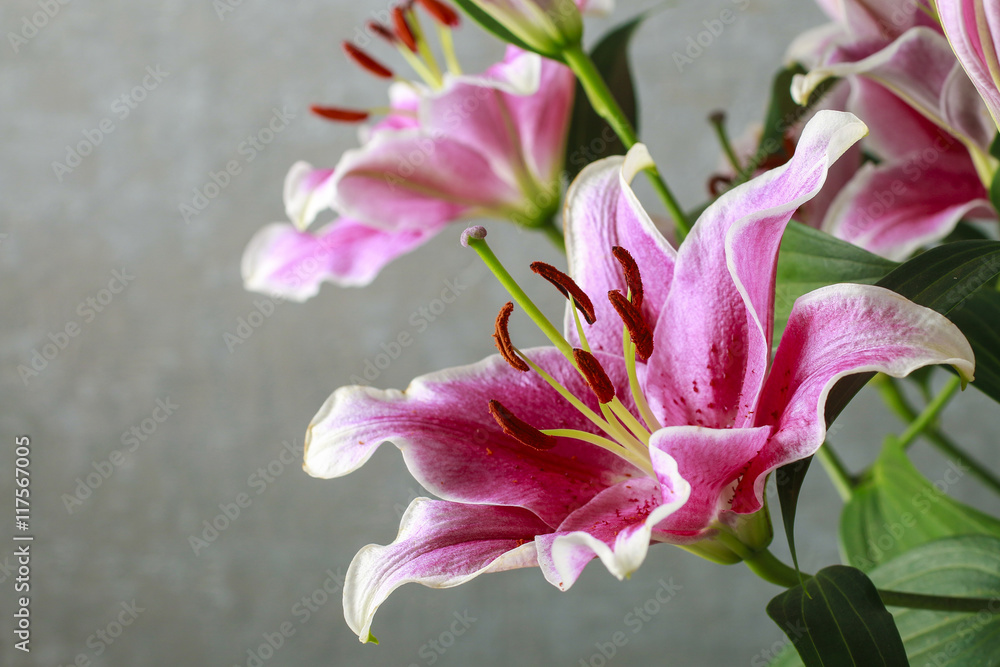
{"points": [[440, 545]]}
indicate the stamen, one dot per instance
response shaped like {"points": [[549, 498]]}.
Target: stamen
{"points": [[519, 430], [636, 325], [383, 32], [403, 30], [568, 287], [441, 12], [340, 115], [366, 62], [502, 338], [632, 277], [595, 375], [718, 184]]}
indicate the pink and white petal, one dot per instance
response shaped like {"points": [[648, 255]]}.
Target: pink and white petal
{"points": [[516, 114], [616, 526], [412, 179], [455, 449], [307, 192], [834, 332], [475, 112], [440, 545], [919, 67], [543, 120], [896, 128], [710, 460], [973, 28], [813, 47], [596, 7], [894, 208], [519, 73], [712, 341], [601, 212], [282, 261]]}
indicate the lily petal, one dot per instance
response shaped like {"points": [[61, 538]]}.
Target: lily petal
{"points": [[440, 545], [615, 526], [921, 69], [710, 460], [601, 212], [308, 191], [895, 208], [973, 28], [285, 262], [887, 333], [411, 178], [452, 446], [713, 339]]}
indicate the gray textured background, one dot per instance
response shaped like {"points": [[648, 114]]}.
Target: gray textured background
{"points": [[163, 338]]}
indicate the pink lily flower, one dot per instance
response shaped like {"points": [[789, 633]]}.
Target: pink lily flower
{"points": [[454, 147], [973, 28], [927, 125], [606, 442], [485, 146]]}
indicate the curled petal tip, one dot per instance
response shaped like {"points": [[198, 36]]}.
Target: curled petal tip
{"points": [[477, 233]]}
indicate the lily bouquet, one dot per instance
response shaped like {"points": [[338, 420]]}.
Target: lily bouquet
{"points": [[851, 241]]}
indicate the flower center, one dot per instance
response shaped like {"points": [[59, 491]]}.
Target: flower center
{"points": [[621, 432]]}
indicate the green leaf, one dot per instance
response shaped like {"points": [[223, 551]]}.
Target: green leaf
{"points": [[590, 137], [491, 25], [967, 566], [789, 480], [945, 279], [896, 509], [837, 618], [979, 319], [782, 113], [810, 259]]}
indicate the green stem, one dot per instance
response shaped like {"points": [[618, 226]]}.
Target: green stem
{"points": [[930, 413], [538, 317], [718, 121], [765, 565], [604, 103], [841, 477], [894, 398]]}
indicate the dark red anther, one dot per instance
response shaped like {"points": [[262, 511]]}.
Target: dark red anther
{"points": [[632, 277], [366, 62], [340, 115], [638, 330], [502, 338], [595, 375], [519, 430], [718, 184], [441, 12], [382, 31], [568, 287], [403, 30]]}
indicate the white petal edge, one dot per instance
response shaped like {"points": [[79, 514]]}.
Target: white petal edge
{"points": [[630, 548], [360, 608]]}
